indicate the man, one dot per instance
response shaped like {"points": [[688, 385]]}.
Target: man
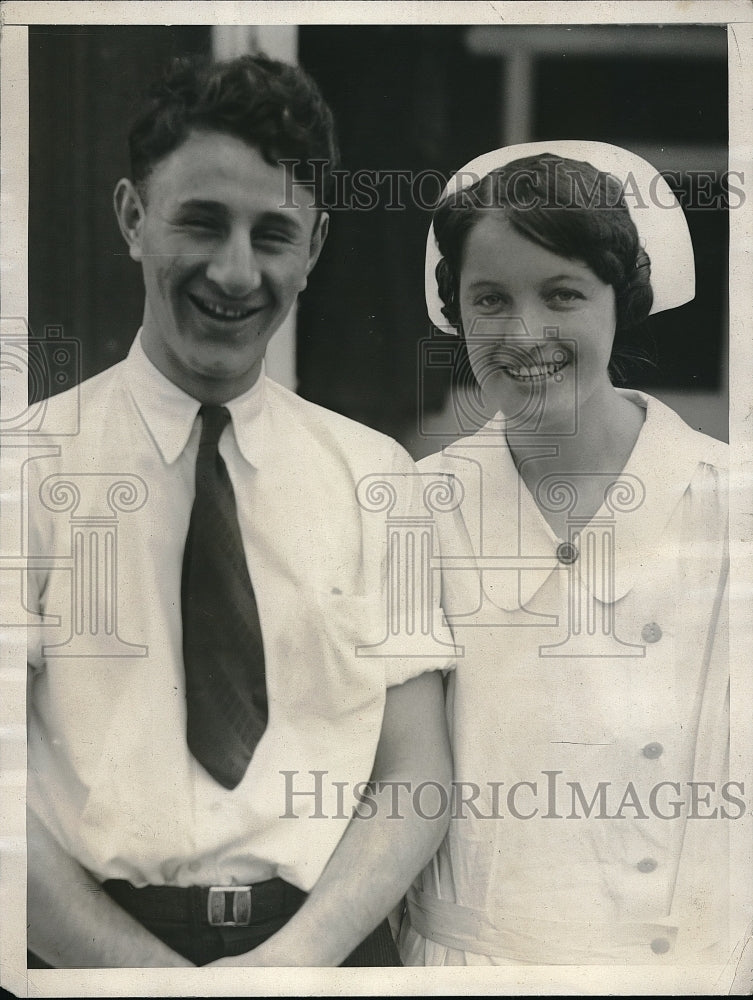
{"points": [[201, 723]]}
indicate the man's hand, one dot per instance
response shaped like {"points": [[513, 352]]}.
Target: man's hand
{"points": [[378, 857], [73, 923]]}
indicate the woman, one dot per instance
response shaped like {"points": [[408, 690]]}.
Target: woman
{"points": [[584, 556]]}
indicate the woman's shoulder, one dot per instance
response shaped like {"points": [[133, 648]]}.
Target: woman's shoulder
{"points": [[436, 462], [708, 450], [461, 458], [671, 432], [714, 452], [486, 438]]}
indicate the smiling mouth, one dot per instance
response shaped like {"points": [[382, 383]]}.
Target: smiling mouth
{"points": [[534, 373], [224, 313]]}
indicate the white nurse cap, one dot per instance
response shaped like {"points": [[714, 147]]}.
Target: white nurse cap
{"points": [[658, 217]]}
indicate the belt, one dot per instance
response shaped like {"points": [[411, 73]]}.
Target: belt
{"points": [[212, 906], [539, 941]]}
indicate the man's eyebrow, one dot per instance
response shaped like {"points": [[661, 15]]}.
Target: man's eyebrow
{"points": [[201, 205], [286, 219]]}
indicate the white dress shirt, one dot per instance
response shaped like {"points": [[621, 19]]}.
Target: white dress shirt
{"points": [[575, 674], [109, 770]]}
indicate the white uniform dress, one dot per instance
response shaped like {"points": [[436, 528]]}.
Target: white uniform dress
{"points": [[591, 695]]}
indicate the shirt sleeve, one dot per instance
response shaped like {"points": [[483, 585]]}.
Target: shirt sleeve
{"points": [[418, 638]]}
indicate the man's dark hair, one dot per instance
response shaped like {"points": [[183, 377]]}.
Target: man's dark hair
{"points": [[566, 206], [274, 107]]}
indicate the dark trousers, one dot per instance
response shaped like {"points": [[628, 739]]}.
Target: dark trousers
{"points": [[178, 918]]}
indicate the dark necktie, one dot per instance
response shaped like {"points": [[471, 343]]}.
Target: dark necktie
{"points": [[223, 652]]}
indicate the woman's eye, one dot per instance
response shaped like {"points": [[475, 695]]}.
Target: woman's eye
{"points": [[489, 301], [565, 296]]}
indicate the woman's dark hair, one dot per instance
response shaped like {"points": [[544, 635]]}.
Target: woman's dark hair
{"points": [[563, 205], [270, 105]]}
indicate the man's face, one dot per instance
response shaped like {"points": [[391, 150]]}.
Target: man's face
{"points": [[223, 263]]}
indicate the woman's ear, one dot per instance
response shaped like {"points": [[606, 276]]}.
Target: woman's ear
{"points": [[130, 213]]}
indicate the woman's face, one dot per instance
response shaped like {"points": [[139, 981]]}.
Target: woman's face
{"points": [[539, 327]]}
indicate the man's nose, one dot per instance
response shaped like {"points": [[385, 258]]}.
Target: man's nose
{"points": [[234, 267]]}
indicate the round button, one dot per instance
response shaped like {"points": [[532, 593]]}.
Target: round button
{"points": [[647, 865], [653, 750], [567, 553], [194, 866], [651, 632], [660, 946]]}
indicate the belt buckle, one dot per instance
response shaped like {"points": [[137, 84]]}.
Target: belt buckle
{"points": [[217, 905]]}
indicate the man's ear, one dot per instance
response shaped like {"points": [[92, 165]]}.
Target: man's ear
{"points": [[317, 241], [130, 213]]}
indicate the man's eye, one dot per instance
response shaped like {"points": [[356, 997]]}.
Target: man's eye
{"points": [[196, 222], [272, 237]]}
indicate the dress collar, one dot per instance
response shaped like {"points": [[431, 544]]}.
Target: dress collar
{"points": [[664, 460], [503, 519], [170, 413]]}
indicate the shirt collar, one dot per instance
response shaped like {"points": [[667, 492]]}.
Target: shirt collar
{"points": [[247, 412], [170, 413]]}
